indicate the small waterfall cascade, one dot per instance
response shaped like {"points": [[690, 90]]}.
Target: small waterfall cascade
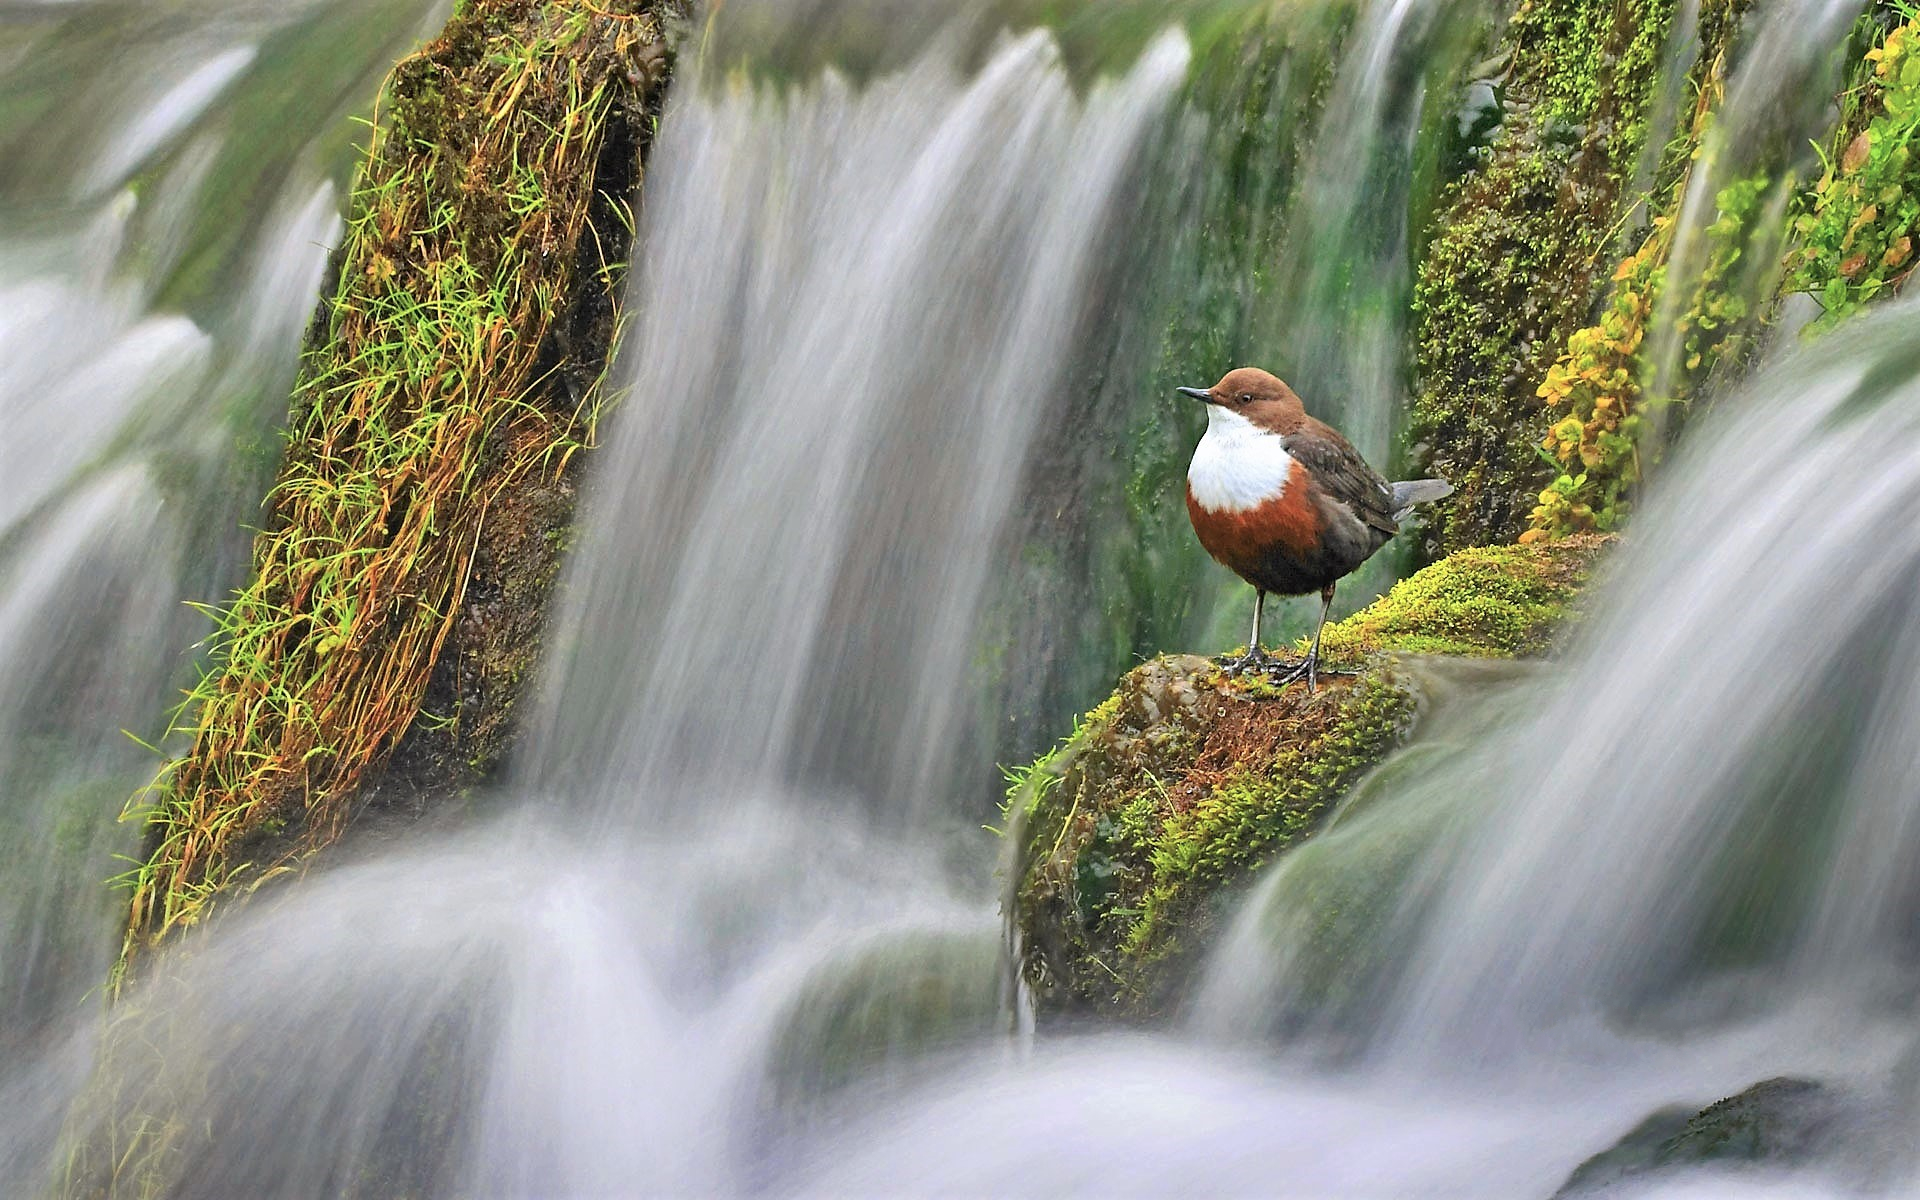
{"points": [[167, 195], [726, 928], [873, 322]]}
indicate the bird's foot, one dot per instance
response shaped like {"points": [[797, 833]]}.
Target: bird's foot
{"points": [[1255, 661], [1313, 671], [1307, 668]]}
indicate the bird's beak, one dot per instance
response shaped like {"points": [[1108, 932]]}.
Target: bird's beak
{"points": [[1201, 394]]}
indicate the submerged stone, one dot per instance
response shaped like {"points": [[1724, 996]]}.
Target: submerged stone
{"points": [[883, 1007]]}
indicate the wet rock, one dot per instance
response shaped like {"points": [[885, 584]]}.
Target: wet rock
{"points": [[1782, 1120]]}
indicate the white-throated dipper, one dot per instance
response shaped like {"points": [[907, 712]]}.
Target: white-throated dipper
{"points": [[1285, 502]]}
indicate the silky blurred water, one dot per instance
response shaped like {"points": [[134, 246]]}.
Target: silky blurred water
{"points": [[167, 191], [731, 930]]}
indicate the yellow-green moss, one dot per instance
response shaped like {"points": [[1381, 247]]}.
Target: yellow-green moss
{"points": [[1131, 837], [1487, 602], [1513, 265]]}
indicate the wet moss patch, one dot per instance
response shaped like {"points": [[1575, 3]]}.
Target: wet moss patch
{"points": [[1132, 837], [1488, 602]]}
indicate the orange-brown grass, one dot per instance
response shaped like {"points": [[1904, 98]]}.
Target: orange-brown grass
{"points": [[437, 383]]}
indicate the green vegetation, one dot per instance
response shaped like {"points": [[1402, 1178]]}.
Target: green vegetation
{"points": [[1857, 232], [1599, 383], [1511, 269], [1852, 243], [1487, 602], [453, 375], [1130, 836]]}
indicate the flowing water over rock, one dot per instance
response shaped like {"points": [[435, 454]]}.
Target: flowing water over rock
{"points": [[870, 324], [730, 933]]}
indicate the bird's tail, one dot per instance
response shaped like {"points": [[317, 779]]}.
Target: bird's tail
{"points": [[1409, 492]]}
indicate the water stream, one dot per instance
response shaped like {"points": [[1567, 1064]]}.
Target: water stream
{"points": [[730, 928]]}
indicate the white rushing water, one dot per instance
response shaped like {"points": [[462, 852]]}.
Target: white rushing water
{"points": [[860, 309], [718, 942], [147, 337]]}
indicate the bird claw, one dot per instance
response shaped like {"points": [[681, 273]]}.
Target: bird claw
{"points": [[1253, 660], [1311, 668], [1256, 662]]}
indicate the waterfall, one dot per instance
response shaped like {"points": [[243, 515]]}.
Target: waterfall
{"points": [[726, 926], [158, 259], [1571, 909], [863, 302], [713, 880]]}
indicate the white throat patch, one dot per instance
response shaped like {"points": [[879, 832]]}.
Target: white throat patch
{"points": [[1238, 466]]}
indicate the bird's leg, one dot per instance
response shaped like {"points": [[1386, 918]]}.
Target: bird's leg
{"points": [[1310, 666], [1255, 659]]}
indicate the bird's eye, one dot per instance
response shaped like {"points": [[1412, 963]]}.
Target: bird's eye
{"points": [[1246, 397]]}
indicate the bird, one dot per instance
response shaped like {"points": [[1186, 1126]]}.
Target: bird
{"points": [[1286, 503]]}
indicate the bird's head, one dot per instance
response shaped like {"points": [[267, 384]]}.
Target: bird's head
{"points": [[1251, 393]]}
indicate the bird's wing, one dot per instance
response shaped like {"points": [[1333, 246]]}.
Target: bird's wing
{"points": [[1344, 475]]}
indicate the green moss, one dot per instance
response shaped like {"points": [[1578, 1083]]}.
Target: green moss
{"points": [[1487, 602], [451, 377], [1258, 811], [1131, 837], [1513, 266]]}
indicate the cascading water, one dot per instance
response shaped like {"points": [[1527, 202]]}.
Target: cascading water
{"points": [[884, 370], [718, 942], [158, 257], [859, 306]]}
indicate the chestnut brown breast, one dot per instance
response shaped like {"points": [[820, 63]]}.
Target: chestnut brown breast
{"points": [[1278, 546]]}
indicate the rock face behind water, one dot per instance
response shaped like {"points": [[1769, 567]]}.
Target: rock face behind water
{"points": [[1131, 839]]}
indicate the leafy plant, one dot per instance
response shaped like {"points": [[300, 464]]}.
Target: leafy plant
{"points": [[1858, 228]]}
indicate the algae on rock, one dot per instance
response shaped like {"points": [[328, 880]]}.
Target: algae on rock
{"points": [[411, 534], [1129, 839]]}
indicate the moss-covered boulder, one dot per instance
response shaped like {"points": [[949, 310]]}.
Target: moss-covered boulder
{"points": [[1129, 839], [1784, 1120]]}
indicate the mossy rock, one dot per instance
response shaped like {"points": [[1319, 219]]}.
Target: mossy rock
{"points": [[1131, 838], [1512, 263], [453, 375], [1784, 1120]]}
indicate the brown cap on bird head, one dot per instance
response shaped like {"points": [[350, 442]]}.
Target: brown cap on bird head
{"points": [[1256, 395]]}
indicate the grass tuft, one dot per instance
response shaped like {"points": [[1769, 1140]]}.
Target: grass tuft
{"points": [[439, 384]]}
